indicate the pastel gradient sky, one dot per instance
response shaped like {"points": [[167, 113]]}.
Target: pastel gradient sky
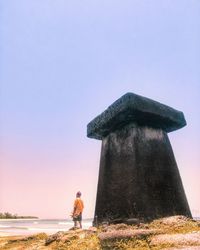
{"points": [[64, 62]]}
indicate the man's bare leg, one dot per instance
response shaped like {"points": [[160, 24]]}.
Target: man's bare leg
{"points": [[75, 224]]}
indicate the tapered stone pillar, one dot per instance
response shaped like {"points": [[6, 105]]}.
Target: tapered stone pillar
{"points": [[138, 176]]}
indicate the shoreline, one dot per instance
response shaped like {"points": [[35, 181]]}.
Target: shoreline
{"points": [[175, 232], [19, 219], [26, 228]]}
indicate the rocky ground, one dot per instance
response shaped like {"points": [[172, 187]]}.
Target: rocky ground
{"points": [[171, 233]]}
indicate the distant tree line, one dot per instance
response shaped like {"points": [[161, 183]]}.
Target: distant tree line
{"points": [[7, 215]]}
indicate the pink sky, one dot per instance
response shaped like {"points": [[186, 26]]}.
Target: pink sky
{"points": [[62, 63]]}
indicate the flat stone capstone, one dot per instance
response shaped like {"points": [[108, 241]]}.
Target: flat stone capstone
{"points": [[138, 109]]}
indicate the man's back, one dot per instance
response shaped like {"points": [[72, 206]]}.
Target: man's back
{"points": [[78, 206]]}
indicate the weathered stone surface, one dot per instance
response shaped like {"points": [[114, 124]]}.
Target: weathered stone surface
{"points": [[138, 109], [184, 248], [125, 234], [138, 176], [178, 220], [111, 227], [176, 239]]}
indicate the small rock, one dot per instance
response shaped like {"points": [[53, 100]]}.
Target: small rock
{"points": [[117, 221], [92, 229], [117, 227], [132, 221], [82, 235], [105, 223], [69, 237], [74, 228], [54, 237]]}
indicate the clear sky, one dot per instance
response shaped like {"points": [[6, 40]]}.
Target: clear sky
{"points": [[64, 62]]}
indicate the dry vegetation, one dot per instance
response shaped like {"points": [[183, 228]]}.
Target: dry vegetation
{"points": [[177, 232]]}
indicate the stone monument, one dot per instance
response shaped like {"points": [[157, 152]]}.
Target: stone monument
{"points": [[138, 175]]}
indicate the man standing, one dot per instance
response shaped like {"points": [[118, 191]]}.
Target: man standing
{"points": [[78, 209]]}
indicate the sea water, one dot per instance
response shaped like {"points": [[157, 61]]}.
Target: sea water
{"points": [[33, 226]]}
